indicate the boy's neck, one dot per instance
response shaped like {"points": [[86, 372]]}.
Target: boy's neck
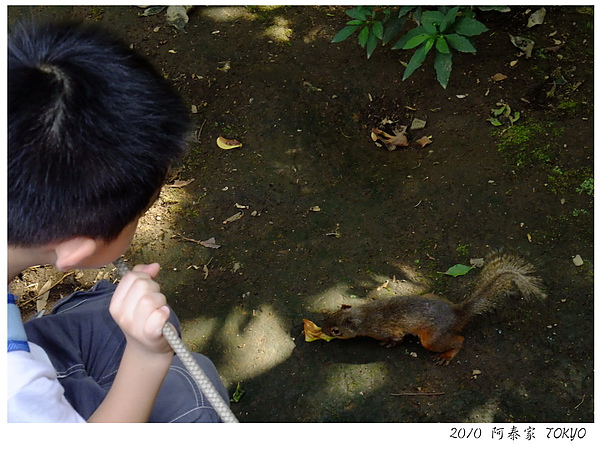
{"points": [[21, 258]]}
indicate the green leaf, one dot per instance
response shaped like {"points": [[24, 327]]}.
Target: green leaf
{"points": [[469, 27], [404, 10], [416, 14], [432, 17], [443, 67], [502, 9], [392, 28], [441, 45], [458, 270], [239, 392], [516, 116], [460, 43], [498, 111], [371, 44], [417, 40], [407, 37], [495, 122], [416, 60], [363, 36], [430, 28], [357, 13], [355, 22], [367, 10], [377, 29], [449, 19], [344, 33]]}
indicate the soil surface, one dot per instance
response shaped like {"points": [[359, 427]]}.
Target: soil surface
{"points": [[310, 213]]}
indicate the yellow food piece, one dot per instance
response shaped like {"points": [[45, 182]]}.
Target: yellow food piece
{"points": [[227, 144], [312, 332]]}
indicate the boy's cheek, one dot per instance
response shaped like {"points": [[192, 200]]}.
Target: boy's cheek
{"points": [[107, 253]]}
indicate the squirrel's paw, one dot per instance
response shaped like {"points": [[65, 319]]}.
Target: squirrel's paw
{"points": [[441, 359]]}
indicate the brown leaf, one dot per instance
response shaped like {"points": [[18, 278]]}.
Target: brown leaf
{"points": [[425, 140], [210, 243], [227, 144], [499, 77], [312, 332], [391, 141]]}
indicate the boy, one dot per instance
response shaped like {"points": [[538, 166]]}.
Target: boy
{"points": [[92, 132]]}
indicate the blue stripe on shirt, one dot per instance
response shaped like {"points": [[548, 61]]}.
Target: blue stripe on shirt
{"points": [[17, 338]]}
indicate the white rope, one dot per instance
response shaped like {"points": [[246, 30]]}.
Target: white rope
{"points": [[203, 382]]}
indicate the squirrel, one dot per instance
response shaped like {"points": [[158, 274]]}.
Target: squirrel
{"points": [[435, 320]]}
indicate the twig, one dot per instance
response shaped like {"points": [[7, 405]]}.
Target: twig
{"points": [[179, 236], [199, 132], [415, 394], [70, 272]]}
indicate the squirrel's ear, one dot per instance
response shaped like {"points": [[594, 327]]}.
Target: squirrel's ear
{"points": [[345, 307]]}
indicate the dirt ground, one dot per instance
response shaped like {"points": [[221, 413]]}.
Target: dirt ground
{"points": [[327, 217]]}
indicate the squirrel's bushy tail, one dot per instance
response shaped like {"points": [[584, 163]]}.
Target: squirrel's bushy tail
{"points": [[503, 276]]}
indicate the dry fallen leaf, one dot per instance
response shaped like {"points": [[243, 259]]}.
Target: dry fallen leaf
{"points": [[210, 243], [391, 141], [312, 332], [499, 77], [425, 140], [180, 183], [235, 217], [42, 297], [227, 144]]}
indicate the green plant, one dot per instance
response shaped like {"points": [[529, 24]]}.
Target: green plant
{"points": [[444, 31], [503, 114], [530, 143], [369, 20], [587, 186], [462, 249]]}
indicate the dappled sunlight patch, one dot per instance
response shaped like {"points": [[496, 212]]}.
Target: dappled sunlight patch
{"points": [[197, 333], [485, 413], [406, 281], [228, 13], [173, 202], [280, 30], [345, 382], [331, 299], [253, 345]]}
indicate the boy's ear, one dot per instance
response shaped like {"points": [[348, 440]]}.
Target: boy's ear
{"points": [[70, 253]]}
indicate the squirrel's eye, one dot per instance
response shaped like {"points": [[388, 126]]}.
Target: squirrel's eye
{"points": [[335, 331]]}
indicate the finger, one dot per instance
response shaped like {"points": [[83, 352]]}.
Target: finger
{"points": [[156, 321], [150, 269], [129, 293], [126, 283]]}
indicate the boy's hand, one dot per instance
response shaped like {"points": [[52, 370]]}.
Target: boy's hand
{"points": [[141, 310]]}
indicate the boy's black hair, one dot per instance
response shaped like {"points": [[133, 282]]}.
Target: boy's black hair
{"points": [[92, 132]]}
